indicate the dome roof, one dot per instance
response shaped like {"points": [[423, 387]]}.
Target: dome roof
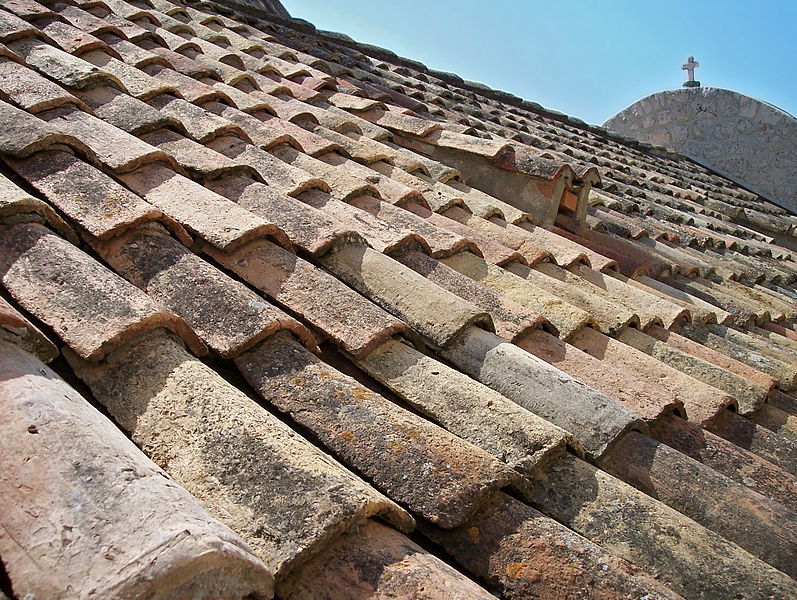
{"points": [[753, 142]]}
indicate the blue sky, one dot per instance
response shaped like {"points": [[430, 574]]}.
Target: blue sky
{"points": [[585, 58]]}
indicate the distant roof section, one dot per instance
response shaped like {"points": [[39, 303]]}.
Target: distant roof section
{"points": [[273, 7], [750, 141]]}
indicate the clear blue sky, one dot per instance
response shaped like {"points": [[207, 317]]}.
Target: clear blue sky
{"points": [[589, 59]]}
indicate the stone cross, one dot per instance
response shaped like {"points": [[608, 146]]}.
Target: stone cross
{"points": [[690, 67]]}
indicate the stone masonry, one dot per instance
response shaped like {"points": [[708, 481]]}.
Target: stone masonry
{"points": [[751, 141]]}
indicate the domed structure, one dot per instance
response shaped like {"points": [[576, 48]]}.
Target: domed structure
{"points": [[753, 142]]}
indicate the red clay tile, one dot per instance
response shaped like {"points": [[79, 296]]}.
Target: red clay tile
{"points": [[351, 321], [390, 446], [702, 402], [283, 177], [68, 70], [18, 206], [125, 112], [468, 408], [283, 496], [727, 458], [87, 196], [89, 307], [116, 149], [201, 125], [377, 562], [23, 134], [29, 90], [647, 400], [511, 320], [204, 213], [16, 329], [117, 526], [523, 554], [227, 315], [758, 524], [438, 315]]}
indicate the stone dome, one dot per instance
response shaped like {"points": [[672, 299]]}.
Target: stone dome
{"points": [[753, 142]]}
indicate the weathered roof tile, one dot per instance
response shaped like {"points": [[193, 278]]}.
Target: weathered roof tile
{"points": [[227, 315], [97, 489], [205, 213], [89, 307], [351, 320], [118, 150], [282, 495], [388, 445], [90, 198]]}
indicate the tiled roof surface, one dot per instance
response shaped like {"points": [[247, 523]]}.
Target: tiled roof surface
{"points": [[323, 323]]}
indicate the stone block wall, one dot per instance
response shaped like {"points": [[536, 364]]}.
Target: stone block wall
{"points": [[751, 141]]}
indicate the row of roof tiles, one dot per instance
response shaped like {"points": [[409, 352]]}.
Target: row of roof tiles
{"points": [[487, 319]]}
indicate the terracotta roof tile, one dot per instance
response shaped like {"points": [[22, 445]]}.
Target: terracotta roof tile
{"points": [[511, 319], [228, 316], [306, 141], [87, 196], [525, 554], [435, 313], [29, 90], [648, 401], [125, 112], [285, 178], [378, 562], [702, 402], [729, 459], [75, 456], [201, 211], [697, 564], [233, 437], [352, 321], [17, 206], [200, 124], [16, 329], [116, 149], [90, 308], [23, 134], [374, 436]]}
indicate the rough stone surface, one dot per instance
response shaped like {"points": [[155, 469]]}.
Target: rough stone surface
{"points": [[751, 141], [378, 563], [523, 554], [86, 515], [282, 495], [388, 445]]}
